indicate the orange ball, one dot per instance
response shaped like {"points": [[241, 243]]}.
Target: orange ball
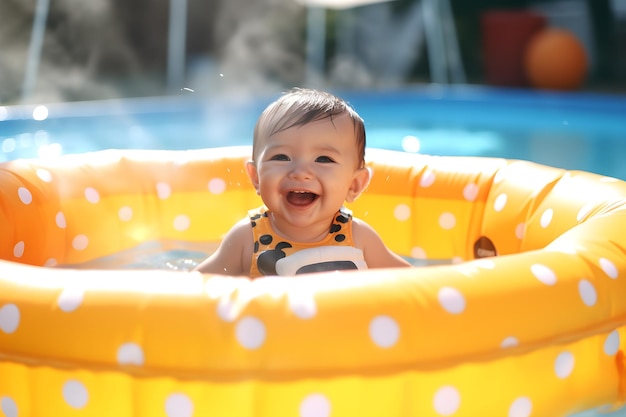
{"points": [[555, 59]]}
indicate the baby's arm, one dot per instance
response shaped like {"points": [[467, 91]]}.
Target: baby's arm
{"points": [[375, 252], [232, 257]]}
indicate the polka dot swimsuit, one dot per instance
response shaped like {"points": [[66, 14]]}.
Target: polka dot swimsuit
{"points": [[269, 247]]}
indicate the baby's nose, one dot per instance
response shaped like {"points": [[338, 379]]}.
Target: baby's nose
{"points": [[301, 170]]}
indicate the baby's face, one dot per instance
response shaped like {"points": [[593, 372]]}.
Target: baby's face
{"points": [[304, 174]]}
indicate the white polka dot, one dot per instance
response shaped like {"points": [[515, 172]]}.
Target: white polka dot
{"points": [[543, 274], [8, 407], [520, 231], [499, 176], [44, 175], [611, 344], [50, 262], [25, 196], [546, 218], [75, 394], [451, 300], [447, 221], [470, 192], [587, 292], [130, 354], [315, 405], [418, 253], [521, 407], [384, 331], [181, 222], [402, 212], [500, 202], [60, 220], [91, 194], [609, 268], [125, 213], [163, 190], [217, 186], [178, 405], [447, 401], [457, 260], [302, 304], [80, 242], [509, 342], [584, 211], [427, 179], [9, 318], [18, 249], [250, 332], [564, 365], [227, 309], [70, 299]]}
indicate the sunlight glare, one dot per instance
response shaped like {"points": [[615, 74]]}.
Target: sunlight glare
{"points": [[411, 144], [40, 113], [50, 151]]}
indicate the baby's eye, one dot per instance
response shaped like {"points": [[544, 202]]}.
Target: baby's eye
{"points": [[279, 157], [324, 159]]}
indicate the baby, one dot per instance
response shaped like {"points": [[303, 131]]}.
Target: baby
{"points": [[308, 159]]}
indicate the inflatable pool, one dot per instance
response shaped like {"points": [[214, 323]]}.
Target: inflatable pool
{"points": [[527, 318]]}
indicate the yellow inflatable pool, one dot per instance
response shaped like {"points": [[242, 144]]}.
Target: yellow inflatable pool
{"points": [[538, 330]]}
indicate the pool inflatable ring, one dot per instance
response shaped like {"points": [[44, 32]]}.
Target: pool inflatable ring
{"points": [[537, 330]]}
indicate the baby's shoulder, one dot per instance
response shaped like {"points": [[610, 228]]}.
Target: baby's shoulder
{"points": [[363, 228], [240, 231]]}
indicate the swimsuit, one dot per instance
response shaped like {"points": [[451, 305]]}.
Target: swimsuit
{"points": [[269, 247]]}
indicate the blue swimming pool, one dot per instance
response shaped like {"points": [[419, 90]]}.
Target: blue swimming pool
{"points": [[581, 131]]}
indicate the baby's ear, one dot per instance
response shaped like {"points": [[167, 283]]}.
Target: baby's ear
{"points": [[360, 182], [253, 173]]}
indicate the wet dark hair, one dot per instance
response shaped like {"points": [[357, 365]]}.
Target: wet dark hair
{"points": [[300, 106]]}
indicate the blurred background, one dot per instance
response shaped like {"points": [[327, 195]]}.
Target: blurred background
{"points": [[76, 50], [539, 80]]}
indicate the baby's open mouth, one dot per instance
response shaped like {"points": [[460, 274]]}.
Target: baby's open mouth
{"points": [[301, 198]]}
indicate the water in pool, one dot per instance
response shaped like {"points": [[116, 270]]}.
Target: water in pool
{"points": [[174, 255], [177, 256], [567, 130]]}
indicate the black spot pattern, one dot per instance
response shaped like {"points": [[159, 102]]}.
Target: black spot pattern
{"points": [[340, 238], [266, 262], [253, 218], [343, 218]]}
